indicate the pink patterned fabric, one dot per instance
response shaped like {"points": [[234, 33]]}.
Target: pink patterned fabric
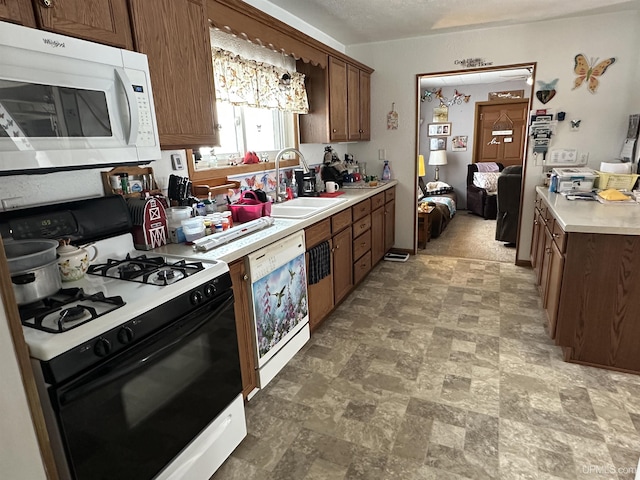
{"points": [[487, 167]]}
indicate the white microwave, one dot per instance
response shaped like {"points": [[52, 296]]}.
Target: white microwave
{"points": [[68, 104]]}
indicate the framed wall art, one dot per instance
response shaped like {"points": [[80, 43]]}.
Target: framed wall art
{"points": [[441, 113], [438, 144], [439, 129], [459, 143]]}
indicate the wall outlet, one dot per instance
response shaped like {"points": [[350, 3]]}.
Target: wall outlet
{"points": [[584, 158], [382, 154]]}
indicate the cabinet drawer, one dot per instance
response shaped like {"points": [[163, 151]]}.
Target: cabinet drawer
{"points": [[377, 201], [340, 220], [362, 244], [361, 226], [361, 209], [318, 232], [389, 194], [362, 267], [559, 236]]}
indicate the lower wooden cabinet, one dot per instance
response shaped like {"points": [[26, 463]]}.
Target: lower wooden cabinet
{"points": [[17, 11], [377, 235], [244, 326], [342, 264], [320, 296]]}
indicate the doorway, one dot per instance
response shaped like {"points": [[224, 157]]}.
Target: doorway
{"points": [[501, 96]]}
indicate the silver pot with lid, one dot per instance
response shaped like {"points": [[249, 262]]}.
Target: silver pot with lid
{"points": [[33, 268]]}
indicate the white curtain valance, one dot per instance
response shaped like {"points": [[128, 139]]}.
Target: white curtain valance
{"points": [[247, 82]]}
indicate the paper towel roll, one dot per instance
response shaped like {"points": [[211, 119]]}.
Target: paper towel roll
{"points": [[611, 167]]}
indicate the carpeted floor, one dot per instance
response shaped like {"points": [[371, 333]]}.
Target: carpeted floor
{"points": [[470, 236]]}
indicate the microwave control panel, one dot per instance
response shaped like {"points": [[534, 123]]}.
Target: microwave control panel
{"points": [[141, 90]]}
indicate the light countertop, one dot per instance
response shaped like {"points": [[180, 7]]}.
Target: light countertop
{"points": [[592, 217], [281, 228]]}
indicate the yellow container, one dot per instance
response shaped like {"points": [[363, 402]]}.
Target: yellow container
{"points": [[619, 181]]}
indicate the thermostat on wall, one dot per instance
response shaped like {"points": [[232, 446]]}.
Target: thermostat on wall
{"points": [[176, 162]]}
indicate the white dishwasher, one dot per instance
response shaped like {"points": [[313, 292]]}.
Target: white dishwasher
{"points": [[280, 307]]}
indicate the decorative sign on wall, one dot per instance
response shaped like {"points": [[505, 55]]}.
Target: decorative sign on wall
{"points": [[547, 90], [441, 114], [392, 118], [472, 62], [506, 94], [589, 71]]}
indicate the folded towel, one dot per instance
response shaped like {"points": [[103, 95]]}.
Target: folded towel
{"points": [[487, 167], [319, 262]]}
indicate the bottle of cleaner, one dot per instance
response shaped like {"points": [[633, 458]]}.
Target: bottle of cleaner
{"points": [[386, 171]]}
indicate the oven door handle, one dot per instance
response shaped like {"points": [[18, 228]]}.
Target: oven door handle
{"points": [[116, 372]]}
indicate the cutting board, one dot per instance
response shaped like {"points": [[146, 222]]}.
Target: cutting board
{"points": [[334, 194]]}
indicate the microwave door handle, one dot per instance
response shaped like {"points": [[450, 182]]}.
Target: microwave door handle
{"points": [[133, 105]]}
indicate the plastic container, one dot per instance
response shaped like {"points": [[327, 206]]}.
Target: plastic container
{"points": [[572, 179], [178, 213], [193, 228], [386, 171], [229, 218]]}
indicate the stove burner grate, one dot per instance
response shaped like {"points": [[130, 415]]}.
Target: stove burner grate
{"points": [[80, 309], [143, 269]]}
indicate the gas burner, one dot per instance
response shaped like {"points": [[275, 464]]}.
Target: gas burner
{"points": [[66, 309], [143, 269]]}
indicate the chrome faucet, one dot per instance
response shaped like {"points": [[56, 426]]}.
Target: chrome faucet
{"points": [[280, 195]]}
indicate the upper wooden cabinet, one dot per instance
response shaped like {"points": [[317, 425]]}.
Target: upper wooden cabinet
{"points": [[17, 11], [339, 103], [103, 21], [358, 104], [175, 36]]}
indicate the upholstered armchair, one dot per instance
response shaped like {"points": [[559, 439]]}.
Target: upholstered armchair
{"points": [[481, 200], [509, 186]]}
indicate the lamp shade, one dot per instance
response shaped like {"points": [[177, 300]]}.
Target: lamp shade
{"points": [[421, 170], [438, 157]]}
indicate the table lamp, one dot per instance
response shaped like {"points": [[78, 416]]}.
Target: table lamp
{"points": [[421, 171], [438, 157]]}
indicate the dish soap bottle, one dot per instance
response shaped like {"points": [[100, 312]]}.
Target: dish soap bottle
{"points": [[386, 171]]}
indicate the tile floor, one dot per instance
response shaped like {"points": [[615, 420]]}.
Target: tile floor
{"points": [[439, 368]]}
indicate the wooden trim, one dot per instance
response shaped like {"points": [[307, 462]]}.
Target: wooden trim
{"points": [[246, 21], [24, 365], [462, 71]]}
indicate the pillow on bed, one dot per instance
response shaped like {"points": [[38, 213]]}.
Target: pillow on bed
{"points": [[486, 180]]}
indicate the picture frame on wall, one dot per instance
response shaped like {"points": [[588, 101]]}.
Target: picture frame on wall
{"points": [[459, 143], [441, 113], [438, 143], [439, 129]]}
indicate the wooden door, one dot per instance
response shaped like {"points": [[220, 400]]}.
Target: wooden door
{"points": [[337, 100], [389, 225], [175, 36], [320, 297], [244, 326], [377, 235], [102, 21], [342, 265], [500, 131], [353, 102], [365, 106], [17, 11]]}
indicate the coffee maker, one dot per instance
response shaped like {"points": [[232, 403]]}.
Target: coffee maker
{"points": [[306, 182]]}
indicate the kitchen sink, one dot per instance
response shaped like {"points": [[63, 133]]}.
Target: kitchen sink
{"points": [[303, 207]]}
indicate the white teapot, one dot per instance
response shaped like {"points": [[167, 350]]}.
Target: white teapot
{"points": [[73, 262]]}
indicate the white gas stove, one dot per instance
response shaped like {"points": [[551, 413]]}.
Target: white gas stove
{"points": [[122, 283]]}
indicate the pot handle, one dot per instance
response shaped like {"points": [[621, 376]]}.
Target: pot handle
{"points": [[24, 278]]}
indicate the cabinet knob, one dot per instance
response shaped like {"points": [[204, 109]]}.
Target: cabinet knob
{"points": [[555, 235], [363, 244], [245, 277], [47, 3], [337, 246], [335, 130]]}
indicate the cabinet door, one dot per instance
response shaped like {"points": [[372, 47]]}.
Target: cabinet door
{"points": [[342, 265], [556, 269], [17, 11], [102, 21], [535, 238], [320, 297], [337, 100], [539, 246], [389, 225], [377, 235], [546, 262], [244, 326], [175, 36], [353, 102], [365, 106]]}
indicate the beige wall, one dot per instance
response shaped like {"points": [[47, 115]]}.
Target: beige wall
{"points": [[552, 45]]}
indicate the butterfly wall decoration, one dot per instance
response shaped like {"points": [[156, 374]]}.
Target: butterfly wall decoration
{"points": [[590, 71]]}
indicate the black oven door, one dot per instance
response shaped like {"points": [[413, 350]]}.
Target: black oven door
{"points": [[129, 417]]}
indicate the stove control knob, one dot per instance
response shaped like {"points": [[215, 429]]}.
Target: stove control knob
{"points": [[196, 297], [125, 335], [209, 290], [102, 347]]}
